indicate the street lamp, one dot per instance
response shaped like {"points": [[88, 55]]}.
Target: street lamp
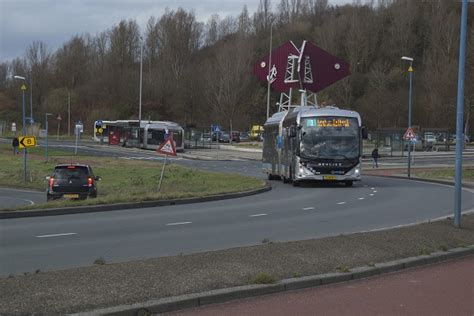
{"points": [[140, 98], [46, 124], [23, 88], [410, 71]]}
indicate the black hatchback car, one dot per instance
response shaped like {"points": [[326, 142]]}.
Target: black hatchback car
{"points": [[74, 181]]}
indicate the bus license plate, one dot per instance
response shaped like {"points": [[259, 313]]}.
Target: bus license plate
{"points": [[332, 178], [71, 196]]}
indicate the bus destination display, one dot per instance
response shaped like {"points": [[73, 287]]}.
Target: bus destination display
{"points": [[328, 122]]}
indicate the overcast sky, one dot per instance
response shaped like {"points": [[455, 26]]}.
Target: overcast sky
{"points": [[56, 21]]}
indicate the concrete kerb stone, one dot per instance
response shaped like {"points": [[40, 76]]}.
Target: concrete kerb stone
{"points": [[124, 206]]}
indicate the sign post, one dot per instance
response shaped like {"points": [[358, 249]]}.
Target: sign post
{"points": [[23, 89], [167, 147], [410, 137], [459, 117]]}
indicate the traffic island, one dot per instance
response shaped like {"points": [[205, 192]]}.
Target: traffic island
{"points": [[183, 281]]}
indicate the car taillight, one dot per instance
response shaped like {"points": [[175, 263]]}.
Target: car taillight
{"points": [[51, 183], [90, 181]]}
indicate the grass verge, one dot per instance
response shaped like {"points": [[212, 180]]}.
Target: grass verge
{"points": [[122, 180], [446, 174]]}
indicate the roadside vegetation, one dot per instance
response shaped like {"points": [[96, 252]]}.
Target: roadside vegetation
{"points": [[446, 174], [122, 180]]}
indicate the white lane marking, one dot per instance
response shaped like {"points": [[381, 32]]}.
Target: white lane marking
{"points": [[361, 198], [371, 194], [179, 223], [375, 191], [56, 235], [308, 208], [341, 203], [258, 215], [372, 188]]}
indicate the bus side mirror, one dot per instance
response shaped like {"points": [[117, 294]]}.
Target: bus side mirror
{"points": [[293, 131], [364, 133]]}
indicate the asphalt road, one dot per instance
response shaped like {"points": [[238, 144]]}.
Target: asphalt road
{"points": [[283, 214], [10, 198]]}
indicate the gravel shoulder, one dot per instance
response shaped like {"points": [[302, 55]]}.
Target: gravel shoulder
{"points": [[107, 285]]}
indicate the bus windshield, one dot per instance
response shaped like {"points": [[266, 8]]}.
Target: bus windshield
{"points": [[329, 137]]}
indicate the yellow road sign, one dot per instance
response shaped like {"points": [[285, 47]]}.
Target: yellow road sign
{"points": [[410, 69], [100, 130], [27, 141], [23, 87]]}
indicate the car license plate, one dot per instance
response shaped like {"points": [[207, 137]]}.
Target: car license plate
{"points": [[332, 178], [71, 196]]}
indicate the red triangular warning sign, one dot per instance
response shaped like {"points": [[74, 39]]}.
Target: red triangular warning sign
{"points": [[167, 147], [409, 134]]}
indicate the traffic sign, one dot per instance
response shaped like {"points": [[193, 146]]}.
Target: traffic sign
{"points": [[26, 141], [23, 87], [100, 130], [13, 127], [167, 147], [409, 134]]}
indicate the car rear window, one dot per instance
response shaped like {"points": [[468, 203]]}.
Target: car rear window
{"points": [[69, 172]]}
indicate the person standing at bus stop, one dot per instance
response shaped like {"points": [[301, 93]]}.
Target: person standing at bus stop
{"points": [[15, 144], [375, 157]]}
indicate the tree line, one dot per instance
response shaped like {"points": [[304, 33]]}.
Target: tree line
{"points": [[199, 73]]}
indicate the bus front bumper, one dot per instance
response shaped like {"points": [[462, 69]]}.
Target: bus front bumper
{"points": [[305, 174]]}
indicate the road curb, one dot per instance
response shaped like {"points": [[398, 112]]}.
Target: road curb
{"points": [[240, 292], [437, 181], [125, 206]]}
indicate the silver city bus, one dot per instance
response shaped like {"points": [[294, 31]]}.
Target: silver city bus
{"points": [[309, 143]]}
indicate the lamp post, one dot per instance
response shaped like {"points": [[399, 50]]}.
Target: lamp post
{"points": [[23, 88], [140, 97], [46, 124], [269, 69], [410, 71]]}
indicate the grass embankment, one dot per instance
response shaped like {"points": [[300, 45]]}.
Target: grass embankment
{"points": [[122, 180], [446, 174]]}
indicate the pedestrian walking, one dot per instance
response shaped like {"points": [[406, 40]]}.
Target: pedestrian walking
{"points": [[375, 157], [15, 144]]}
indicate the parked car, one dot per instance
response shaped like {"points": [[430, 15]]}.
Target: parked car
{"points": [[72, 181], [224, 137], [236, 136], [244, 136]]}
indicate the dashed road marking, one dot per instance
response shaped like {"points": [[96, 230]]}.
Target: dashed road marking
{"points": [[308, 208], [375, 191], [361, 198], [258, 215], [56, 235], [341, 203], [371, 194], [178, 223]]}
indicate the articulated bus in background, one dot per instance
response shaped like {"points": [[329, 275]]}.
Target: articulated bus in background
{"points": [[125, 133], [310, 143]]}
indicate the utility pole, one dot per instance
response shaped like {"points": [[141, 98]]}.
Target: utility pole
{"points": [[69, 113], [269, 69], [140, 97]]}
